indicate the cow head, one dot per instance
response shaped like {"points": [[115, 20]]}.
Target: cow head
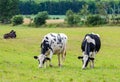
{"points": [[44, 49], [85, 59], [41, 59]]}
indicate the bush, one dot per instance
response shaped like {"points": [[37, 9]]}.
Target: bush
{"points": [[72, 18], [115, 20], [17, 19], [40, 18], [96, 20]]}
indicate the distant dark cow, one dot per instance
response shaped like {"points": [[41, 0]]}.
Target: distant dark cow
{"points": [[12, 34], [52, 43], [90, 46]]}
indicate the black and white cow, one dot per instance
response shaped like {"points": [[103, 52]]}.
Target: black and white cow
{"points": [[90, 46], [52, 43]]}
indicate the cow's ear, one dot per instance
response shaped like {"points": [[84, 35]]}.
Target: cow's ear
{"points": [[80, 57], [35, 57], [48, 58], [91, 58]]}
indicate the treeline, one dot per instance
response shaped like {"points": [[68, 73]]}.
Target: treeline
{"points": [[60, 7]]}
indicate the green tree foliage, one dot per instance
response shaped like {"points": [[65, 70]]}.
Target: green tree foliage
{"points": [[101, 8], [94, 20], [84, 11], [72, 18], [17, 19], [60, 7], [40, 18], [29, 7], [8, 8], [53, 7]]}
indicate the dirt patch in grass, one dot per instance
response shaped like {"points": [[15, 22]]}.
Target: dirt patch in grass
{"points": [[52, 21], [49, 21], [26, 21]]}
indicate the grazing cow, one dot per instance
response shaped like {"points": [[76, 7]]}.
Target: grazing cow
{"points": [[90, 46], [52, 43], [11, 34]]}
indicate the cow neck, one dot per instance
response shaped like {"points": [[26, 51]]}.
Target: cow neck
{"points": [[87, 48]]}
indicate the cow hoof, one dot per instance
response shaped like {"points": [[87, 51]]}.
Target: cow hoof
{"points": [[60, 65], [91, 66], [51, 65], [83, 68], [40, 67]]}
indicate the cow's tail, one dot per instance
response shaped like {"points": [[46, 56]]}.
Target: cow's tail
{"points": [[64, 55]]}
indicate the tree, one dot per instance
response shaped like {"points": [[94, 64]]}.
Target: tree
{"points": [[102, 9], [41, 17], [17, 20], [96, 20], [8, 8], [72, 18], [84, 12]]}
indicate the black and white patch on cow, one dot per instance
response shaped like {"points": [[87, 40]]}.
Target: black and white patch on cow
{"points": [[52, 43], [90, 46]]}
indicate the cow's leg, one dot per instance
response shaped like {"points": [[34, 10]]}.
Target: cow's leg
{"points": [[59, 63], [51, 54], [92, 61], [83, 53], [63, 55], [91, 54], [92, 66]]}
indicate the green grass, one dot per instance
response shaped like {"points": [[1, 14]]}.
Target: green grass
{"points": [[18, 65]]}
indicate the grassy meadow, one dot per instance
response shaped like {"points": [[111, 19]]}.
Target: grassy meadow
{"points": [[18, 65]]}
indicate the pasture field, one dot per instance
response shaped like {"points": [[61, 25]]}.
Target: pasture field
{"points": [[18, 65]]}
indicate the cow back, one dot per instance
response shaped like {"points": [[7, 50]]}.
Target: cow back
{"points": [[93, 47], [55, 42]]}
